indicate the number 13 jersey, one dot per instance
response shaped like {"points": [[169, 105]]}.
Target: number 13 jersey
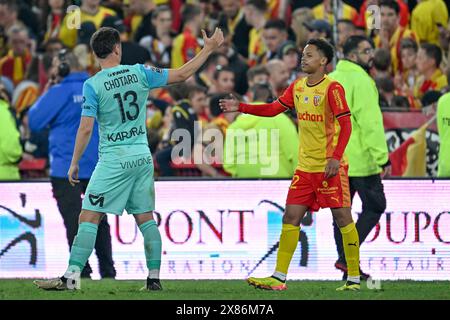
{"points": [[117, 98]]}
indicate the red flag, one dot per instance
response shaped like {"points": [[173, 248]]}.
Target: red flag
{"points": [[409, 160]]}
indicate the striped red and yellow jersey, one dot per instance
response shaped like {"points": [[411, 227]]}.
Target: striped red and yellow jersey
{"points": [[185, 47], [318, 107]]}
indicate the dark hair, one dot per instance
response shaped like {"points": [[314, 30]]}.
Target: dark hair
{"points": [[12, 5], [408, 43], [189, 12], [160, 9], [178, 91], [104, 40], [353, 42], [51, 41], [390, 4], [260, 5], [257, 70], [382, 59], [347, 22], [276, 24], [195, 88], [385, 84], [432, 51], [323, 46], [214, 59], [400, 102], [221, 69]]}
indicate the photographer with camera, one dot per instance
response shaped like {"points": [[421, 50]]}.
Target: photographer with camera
{"points": [[59, 108]]}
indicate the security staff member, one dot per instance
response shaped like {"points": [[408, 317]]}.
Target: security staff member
{"points": [[366, 150], [443, 125]]}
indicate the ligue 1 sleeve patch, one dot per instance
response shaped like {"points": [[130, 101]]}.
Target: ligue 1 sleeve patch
{"points": [[155, 69]]}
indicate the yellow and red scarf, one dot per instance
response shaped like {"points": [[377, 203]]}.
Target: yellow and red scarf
{"points": [[15, 66]]}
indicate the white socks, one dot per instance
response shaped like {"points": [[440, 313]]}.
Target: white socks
{"points": [[153, 274]]}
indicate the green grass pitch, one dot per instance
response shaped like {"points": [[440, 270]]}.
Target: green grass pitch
{"points": [[24, 289]]}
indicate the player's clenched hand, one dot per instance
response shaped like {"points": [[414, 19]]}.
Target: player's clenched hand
{"points": [[332, 168], [215, 41], [229, 105], [73, 174]]}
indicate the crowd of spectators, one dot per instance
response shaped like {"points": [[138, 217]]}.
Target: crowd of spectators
{"points": [[258, 60]]}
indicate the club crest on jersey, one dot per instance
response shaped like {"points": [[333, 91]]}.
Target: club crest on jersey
{"points": [[305, 99], [316, 100]]}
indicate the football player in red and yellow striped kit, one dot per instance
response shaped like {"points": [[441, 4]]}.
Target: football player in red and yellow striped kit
{"points": [[320, 180]]}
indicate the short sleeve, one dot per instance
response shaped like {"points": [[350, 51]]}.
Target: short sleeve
{"points": [[155, 77], [287, 98], [90, 101], [336, 98]]}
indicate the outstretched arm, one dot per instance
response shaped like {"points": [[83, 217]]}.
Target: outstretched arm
{"points": [[283, 103], [189, 68], [263, 110]]}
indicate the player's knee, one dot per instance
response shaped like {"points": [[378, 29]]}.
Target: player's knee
{"points": [[143, 218], [291, 219], [90, 216], [294, 214], [342, 217]]}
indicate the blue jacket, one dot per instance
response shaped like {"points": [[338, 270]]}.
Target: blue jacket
{"points": [[60, 108]]}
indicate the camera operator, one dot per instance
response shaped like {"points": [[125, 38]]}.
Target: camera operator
{"points": [[59, 108]]}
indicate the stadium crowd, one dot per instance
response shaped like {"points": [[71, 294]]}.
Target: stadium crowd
{"points": [[259, 59]]}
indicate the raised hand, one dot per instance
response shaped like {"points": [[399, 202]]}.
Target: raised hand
{"points": [[229, 105], [214, 41]]}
